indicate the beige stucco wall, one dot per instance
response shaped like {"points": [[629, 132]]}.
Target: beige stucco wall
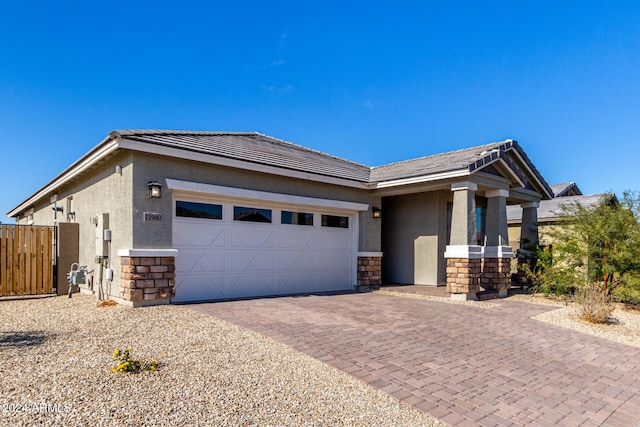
{"points": [[99, 190], [414, 238], [149, 167]]}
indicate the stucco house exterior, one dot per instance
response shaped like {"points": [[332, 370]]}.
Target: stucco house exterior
{"points": [[178, 216]]}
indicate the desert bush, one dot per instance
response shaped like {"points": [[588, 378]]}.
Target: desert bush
{"points": [[595, 303], [126, 363]]}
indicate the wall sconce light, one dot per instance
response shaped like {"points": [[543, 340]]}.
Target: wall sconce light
{"points": [[376, 212], [155, 190]]}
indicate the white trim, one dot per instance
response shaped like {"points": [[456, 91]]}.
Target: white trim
{"points": [[466, 185], [497, 193], [147, 252], [463, 251], [370, 254], [498, 252], [241, 193], [530, 205], [234, 163], [420, 179]]}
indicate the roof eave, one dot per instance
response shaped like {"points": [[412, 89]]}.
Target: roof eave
{"points": [[104, 148]]}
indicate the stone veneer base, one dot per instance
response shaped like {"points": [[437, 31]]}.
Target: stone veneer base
{"points": [[463, 275], [147, 279], [496, 274], [369, 271]]}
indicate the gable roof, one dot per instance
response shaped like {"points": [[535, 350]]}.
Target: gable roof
{"points": [[565, 189], [465, 161]]}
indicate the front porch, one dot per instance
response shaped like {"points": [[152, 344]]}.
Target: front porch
{"points": [[442, 292], [452, 231]]}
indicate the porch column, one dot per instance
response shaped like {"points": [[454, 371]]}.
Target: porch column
{"points": [[464, 256], [529, 237], [496, 270], [529, 229]]}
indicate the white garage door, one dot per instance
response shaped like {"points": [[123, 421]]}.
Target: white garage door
{"points": [[235, 249]]}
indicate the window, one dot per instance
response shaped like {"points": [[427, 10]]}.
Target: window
{"points": [[335, 221], [198, 210], [481, 225], [299, 218], [241, 213]]}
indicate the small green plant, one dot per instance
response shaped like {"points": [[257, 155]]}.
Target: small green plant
{"points": [[595, 303], [126, 363]]}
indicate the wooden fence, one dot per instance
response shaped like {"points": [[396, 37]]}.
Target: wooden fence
{"points": [[26, 260]]}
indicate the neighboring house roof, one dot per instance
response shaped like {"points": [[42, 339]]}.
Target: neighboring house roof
{"points": [[549, 209], [565, 189], [258, 152]]}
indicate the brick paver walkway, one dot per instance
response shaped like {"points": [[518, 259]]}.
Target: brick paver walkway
{"points": [[461, 364]]}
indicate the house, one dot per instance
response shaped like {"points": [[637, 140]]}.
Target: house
{"points": [[176, 216], [548, 213]]}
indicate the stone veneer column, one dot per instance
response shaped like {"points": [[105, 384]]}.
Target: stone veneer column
{"points": [[369, 269], [464, 256], [496, 268], [147, 276]]}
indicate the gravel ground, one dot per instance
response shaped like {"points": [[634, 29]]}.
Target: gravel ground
{"points": [[624, 326], [56, 355]]}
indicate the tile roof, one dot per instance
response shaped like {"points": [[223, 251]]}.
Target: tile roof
{"points": [[265, 150], [437, 163], [252, 147], [548, 209], [565, 189]]}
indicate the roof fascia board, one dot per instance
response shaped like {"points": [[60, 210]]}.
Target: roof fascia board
{"points": [[524, 195], [99, 152], [533, 174], [191, 187], [505, 167], [421, 179], [239, 164], [490, 180]]}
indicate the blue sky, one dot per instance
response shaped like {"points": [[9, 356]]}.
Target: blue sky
{"points": [[370, 83]]}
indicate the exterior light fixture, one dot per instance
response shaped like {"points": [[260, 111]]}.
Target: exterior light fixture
{"points": [[155, 190], [376, 212]]}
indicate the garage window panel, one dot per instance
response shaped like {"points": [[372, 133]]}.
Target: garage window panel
{"points": [[198, 210], [335, 221], [296, 218], [242, 213]]}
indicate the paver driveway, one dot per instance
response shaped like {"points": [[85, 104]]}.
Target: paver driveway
{"points": [[462, 364]]}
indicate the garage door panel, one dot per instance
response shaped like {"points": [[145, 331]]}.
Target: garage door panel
{"points": [[193, 235], [199, 288], [298, 239], [200, 261], [252, 237], [297, 261], [339, 261], [251, 261]]}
